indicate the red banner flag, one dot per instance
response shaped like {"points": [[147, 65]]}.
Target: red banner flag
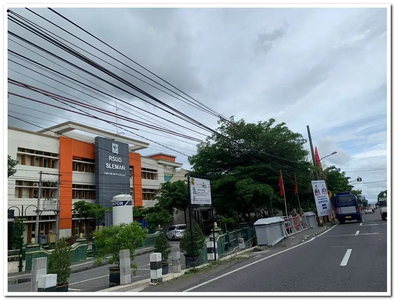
{"points": [[317, 158], [281, 184], [296, 185]]}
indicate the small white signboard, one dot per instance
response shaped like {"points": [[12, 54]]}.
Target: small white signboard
{"points": [[200, 191], [321, 197]]}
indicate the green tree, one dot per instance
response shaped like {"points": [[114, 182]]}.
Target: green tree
{"points": [[85, 210], [11, 166], [157, 216], [337, 181], [192, 246], [17, 233], [60, 262], [109, 241], [173, 195], [244, 162]]}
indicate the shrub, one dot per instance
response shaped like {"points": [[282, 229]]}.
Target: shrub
{"points": [[60, 262], [192, 247], [162, 246]]}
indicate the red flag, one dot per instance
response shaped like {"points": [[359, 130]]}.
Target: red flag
{"points": [[296, 185], [317, 158], [281, 184]]}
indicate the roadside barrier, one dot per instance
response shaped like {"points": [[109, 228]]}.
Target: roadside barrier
{"points": [[295, 225]]}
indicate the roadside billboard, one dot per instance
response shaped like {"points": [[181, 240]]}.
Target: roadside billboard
{"points": [[321, 197], [200, 191]]}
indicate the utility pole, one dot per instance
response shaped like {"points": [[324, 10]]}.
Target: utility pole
{"points": [[37, 230]]}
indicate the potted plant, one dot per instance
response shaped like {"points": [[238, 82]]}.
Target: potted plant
{"points": [[60, 263], [192, 245], [109, 241], [162, 246]]}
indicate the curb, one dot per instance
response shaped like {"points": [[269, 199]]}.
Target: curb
{"points": [[136, 286], [27, 277], [307, 237]]}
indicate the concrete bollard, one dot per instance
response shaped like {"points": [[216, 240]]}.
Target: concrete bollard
{"points": [[176, 258], [156, 267], [242, 245], [47, 283], [124, 264], [211, 255], [39, 267]]}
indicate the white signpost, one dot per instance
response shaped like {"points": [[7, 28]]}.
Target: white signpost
{"points": [[322, 201], [200, 191]]}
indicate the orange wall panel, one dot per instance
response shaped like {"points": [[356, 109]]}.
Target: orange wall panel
{"points": [[163, 157], [83, 149], [66, 172], [135, 162]]}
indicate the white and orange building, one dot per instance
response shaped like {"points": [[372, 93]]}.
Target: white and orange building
{"points": [[94, 165]]}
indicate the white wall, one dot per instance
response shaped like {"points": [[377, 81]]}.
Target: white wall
{"points": [[27, 140]]}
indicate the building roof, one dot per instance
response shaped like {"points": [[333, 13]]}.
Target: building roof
{"points": [[161, 153], [70, 126]]}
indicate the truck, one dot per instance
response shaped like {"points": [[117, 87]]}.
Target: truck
{"points": [[383, 207]]}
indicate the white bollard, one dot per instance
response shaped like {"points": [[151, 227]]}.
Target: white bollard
{"points": [[211, 254], [39, 267], [47, 283], [176, 258], [156, 267], [124, 264]]}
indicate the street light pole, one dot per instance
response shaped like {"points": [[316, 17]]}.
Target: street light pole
{"points": [[333, 153]]}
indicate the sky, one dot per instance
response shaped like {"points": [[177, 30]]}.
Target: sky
{"points": [[322, 67]]}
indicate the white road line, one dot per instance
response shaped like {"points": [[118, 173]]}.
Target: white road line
{"points": [[351, 234], [357, 233], [255, 262], [74, 283], [360, 224], [375, 225], [74, 289], [346, 258]]}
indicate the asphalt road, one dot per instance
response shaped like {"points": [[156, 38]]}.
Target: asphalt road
{"points": [[96, 279], [348, 258]]}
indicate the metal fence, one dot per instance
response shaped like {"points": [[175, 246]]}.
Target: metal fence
{"points": [[295, 225], [228, 241]]}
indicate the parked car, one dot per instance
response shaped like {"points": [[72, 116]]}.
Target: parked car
{"points": [[175, 232], [368, 211]]}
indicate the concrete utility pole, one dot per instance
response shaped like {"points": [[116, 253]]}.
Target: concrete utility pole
{"points": [[37, 230]]}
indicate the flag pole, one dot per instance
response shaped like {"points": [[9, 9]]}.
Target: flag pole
{"points": [[285, 199]]}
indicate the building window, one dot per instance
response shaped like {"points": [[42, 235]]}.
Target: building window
{"points": [[84, 165], [149, 194], [37, 158], [83, 192], [149, 174], [168, 177]]}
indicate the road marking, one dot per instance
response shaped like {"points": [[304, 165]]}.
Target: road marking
{"points": [[346, 258], [357, 233], [75, 290], [74, 283], [368, 233], [360, 224], [375, 225], [255, 262]]}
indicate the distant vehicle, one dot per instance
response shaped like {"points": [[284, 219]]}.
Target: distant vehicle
{"points": [[175, 232], [346, 207], [368, 210], [383, 207]]}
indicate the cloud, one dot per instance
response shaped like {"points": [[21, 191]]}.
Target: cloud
{"points": [[265, 39]]}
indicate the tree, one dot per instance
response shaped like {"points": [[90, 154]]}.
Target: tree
{"points": [[60, 262], [85, 210], [338, 181], [11, 166], [173, 195], [243, 163], [109, 241], [156, 216], [17, 232]]}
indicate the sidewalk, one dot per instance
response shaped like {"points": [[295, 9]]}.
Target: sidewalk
{"points": [[288, 242], [15, 278]]}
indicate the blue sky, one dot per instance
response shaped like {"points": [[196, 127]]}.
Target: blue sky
{"points": [[326, 68]]}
